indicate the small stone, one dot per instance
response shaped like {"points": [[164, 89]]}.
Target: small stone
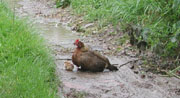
{"points": [[115, 94], [177, 91], [167, 82], [132, 67], [143, 76], [150, 76], [178, 72], [108, 48], [73, 78], [106, 91], [136, 72]]}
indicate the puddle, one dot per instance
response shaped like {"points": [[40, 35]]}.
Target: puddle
{"points": [[121, 84]]}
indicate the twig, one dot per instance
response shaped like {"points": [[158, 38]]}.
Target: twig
{"points": [[128, 62], [165, 75], [64, 59], [114, 64], [170, 74], [175, 75]]}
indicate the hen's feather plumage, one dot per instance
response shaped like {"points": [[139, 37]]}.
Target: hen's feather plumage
{"points": [[90, 60]]}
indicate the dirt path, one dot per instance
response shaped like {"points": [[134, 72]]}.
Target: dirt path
{"points": [[125, 83]]}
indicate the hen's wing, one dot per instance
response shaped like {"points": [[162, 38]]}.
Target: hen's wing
{"points": [[91, 62], [105, 59]]}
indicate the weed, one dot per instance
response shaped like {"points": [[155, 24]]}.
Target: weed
{"points": [[62, 3]]}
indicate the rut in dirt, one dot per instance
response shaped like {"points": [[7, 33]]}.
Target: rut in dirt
{"points": [[125, 83]]}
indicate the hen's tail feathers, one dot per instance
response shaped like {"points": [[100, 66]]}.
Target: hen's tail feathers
{"points": [[112, 68]]}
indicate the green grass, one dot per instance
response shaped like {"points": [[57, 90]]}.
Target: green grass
{"points": [[158, 20], [26, 67]]}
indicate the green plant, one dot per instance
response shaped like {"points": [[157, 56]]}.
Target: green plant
{"points": [[156, 22], [159, 19], [26, 67], [62, 3]]}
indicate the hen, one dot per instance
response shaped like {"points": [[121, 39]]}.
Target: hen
{"points": [[90, 60]]}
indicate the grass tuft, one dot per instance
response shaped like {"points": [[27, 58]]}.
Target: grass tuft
{"points": [[26, 67], [156, 22], [158, 19]]}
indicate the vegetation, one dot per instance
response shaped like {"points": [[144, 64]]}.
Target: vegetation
{"points": [[158, 19], [26, 67], [156, 22], [62, 3]]}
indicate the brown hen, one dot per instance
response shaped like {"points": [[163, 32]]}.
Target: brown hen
{"points": [[89, 60]]}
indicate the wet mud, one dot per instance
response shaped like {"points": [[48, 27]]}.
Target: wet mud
{"points": [[128, 82]]}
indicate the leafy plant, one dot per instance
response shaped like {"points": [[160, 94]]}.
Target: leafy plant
{"points": [[62, 3]]}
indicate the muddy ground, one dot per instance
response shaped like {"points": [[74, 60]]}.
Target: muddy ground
{"points": [[128, 82]]}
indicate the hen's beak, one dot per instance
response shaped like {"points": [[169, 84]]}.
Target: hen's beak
{"points": [[74, 43]]}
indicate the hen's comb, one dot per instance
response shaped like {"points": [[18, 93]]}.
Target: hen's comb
{"points": [[77, 40]]}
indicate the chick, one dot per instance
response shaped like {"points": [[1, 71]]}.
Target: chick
{"points": [[68, 66]]}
